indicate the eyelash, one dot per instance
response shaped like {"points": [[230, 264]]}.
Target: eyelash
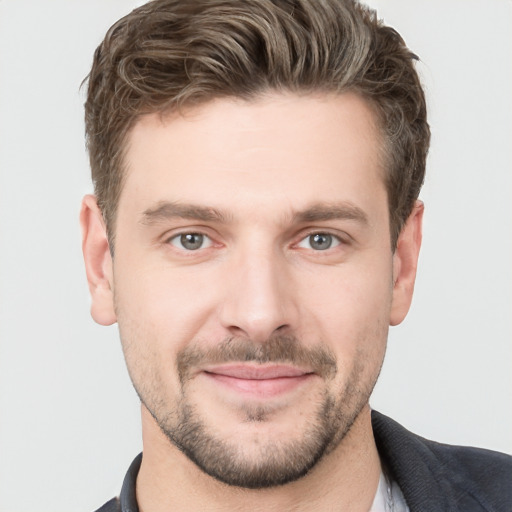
{"points": [[179, 237], [334, 241]]}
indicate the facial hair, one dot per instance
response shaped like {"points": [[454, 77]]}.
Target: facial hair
{"points": [[278, 461]]}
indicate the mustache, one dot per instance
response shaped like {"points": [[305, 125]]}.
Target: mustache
{"points": [[277, 349]]}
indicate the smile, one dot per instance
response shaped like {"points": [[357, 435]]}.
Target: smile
{"points": [[257, 380]]}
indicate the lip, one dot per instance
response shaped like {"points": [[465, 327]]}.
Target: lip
{"points": [[258, 380]]}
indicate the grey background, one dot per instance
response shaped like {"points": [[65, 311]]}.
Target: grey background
{"points": [[69, 419]]}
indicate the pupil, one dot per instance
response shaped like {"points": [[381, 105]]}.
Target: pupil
{"points": [[320, 242], [192, 241]]}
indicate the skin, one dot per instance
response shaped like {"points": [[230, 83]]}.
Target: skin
{"points": [[270, 169]]}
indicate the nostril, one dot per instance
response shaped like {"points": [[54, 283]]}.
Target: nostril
{"points": [[235, 329]]}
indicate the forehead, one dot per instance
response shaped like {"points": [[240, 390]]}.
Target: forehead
{"points": [[277, 150]]}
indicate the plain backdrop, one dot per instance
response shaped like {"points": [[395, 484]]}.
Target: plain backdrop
{"points": [[69, 419]]}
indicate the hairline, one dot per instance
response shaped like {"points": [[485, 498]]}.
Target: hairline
{"points": [[384, 151]]}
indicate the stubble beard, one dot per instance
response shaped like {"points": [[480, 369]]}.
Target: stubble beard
{"points": [[277, 461]]}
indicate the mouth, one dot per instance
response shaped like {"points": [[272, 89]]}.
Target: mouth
{"points": [[260, 381]]}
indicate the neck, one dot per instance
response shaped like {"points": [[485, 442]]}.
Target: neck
{"points": [[345, 479]]}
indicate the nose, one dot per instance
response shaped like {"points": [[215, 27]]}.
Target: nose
{"points": [[259, 296]]}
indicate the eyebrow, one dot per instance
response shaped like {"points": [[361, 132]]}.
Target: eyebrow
{"points": [[331, 211], [166, 210], [318, 212]]}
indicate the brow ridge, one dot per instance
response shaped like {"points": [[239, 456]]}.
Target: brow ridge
{"points": [[318, 212], [331, 211], [165, 210]]}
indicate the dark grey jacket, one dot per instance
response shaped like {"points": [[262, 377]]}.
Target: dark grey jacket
{"points": [[433, 477]]}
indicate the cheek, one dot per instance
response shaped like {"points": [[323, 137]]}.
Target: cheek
{"points": [[168, 306], [351, 295], [350, 312]]}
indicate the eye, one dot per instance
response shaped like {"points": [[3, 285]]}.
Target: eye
{"points": [[319, 241], [191, 241]]}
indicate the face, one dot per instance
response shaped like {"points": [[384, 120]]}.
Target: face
{"points": [[253, 279]]}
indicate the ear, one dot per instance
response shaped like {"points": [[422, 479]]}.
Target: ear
{"points": [[405, 262], [98, 261]]}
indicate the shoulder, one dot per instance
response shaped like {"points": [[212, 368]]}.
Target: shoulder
{"points": [[472, 461], [127, 501], [113, 505], [451, 477], [484, 474]]}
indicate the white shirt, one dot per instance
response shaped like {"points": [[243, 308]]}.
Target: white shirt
{"points": [[389, 497]]}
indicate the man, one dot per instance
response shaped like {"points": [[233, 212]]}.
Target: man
{"points": [[255, 230]]}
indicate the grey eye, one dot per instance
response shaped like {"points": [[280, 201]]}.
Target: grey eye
{"points": [[190, 241], [319, 241]]}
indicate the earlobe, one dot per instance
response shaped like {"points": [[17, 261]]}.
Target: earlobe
{"points": [[405, 262], [98, 261]]}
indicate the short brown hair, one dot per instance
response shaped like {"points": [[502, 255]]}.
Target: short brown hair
{"points": [[170, 54]]}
